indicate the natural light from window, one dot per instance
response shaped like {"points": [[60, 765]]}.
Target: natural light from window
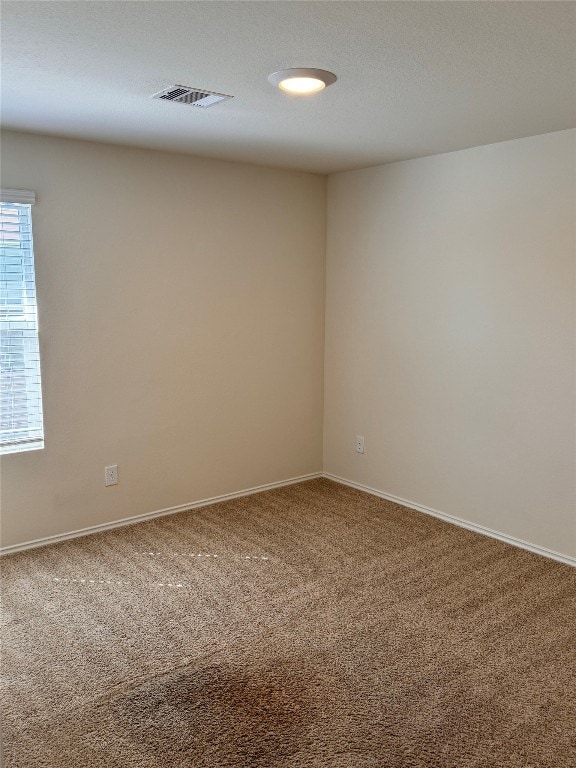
{"points": [[21, 425]]}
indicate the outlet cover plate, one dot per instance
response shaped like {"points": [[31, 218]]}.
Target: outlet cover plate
{"points": [[111, 474]]}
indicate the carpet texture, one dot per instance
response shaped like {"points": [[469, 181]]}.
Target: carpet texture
{"points": [[312, 626]]}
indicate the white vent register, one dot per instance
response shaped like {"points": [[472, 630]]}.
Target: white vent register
{"points": [[193, 97]]}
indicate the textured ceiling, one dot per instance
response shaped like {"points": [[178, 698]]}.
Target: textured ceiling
{"points": [[414, 78]]}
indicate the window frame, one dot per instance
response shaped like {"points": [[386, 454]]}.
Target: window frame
{"points": [[15, 326]]}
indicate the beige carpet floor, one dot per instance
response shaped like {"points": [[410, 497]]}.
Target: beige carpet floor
{"points": [[312, 626]]}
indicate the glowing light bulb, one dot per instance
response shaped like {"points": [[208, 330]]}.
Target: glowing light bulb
{"points": [[302, 85]]}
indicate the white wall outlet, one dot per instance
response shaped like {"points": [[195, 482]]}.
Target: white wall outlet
{"points": [[359, 443], [111, 474]]}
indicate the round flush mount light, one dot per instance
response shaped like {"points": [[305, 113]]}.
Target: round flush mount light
{"points": [[302, 80]]}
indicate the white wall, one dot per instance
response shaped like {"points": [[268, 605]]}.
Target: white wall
{"points": [[450, 334], [181, 316], [181, 313]]}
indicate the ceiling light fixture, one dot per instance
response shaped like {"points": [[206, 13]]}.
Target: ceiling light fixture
{"points": [[302, 80]]}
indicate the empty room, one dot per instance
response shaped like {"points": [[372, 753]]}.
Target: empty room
{"points": [[288, 384]]}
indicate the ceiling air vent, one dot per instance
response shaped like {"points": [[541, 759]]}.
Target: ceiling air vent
{"points": [[194, 97]]}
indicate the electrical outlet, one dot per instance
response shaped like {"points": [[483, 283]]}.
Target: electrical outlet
{"points": [[111, 474], [359, 443]]}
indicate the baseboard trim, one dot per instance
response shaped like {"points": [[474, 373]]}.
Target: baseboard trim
{"points": [[9, 550], [566, 559]]}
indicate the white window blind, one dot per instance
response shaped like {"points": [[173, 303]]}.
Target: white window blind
{"points": [[21, 426]]}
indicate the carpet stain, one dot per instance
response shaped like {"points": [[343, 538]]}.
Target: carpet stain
{"points": [[252, 715]]}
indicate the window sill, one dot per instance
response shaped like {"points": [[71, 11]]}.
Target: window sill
{"points": [[35, 445]]}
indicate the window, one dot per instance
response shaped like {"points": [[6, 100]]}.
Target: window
{"points": [[21, 427]]}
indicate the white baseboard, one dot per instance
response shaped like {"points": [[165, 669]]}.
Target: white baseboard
{"points": [[566, 559], [280, 484], [151, 515]]}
